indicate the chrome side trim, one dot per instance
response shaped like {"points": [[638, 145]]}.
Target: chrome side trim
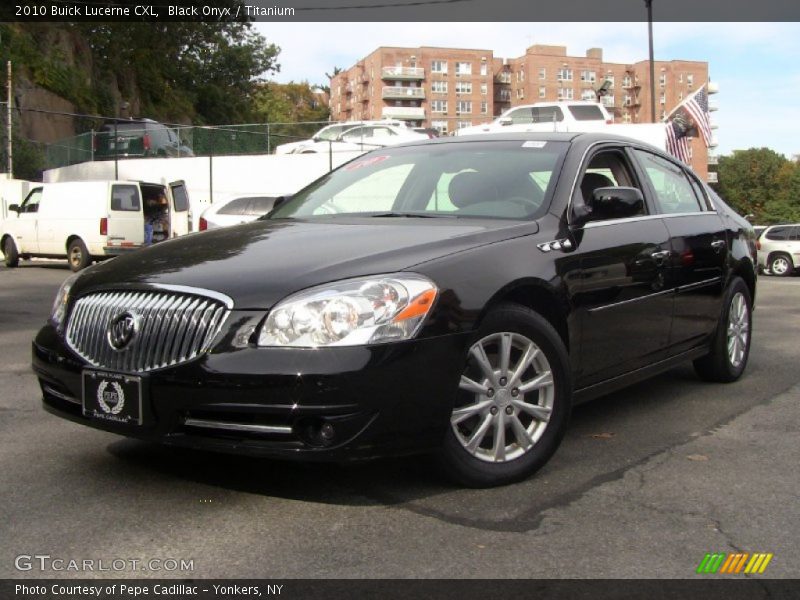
{"points": [[60, 395], [245, 427], [699, 284], [593, 224], [632, 300]]}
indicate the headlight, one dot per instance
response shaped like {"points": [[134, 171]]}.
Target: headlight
{"points": [[60, 303], [354, 312]]}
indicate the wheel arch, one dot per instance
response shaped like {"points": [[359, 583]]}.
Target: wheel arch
{"points": [[71, 238], [747, 271], [540, 297]]}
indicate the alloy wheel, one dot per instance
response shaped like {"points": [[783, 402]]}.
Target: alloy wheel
{"points": [[780, 265], [506, 397], [738, 329]]}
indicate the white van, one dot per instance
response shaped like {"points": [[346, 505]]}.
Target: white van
{"points": [[92, 220]]}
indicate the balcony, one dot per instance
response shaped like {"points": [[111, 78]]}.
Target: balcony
{"points": [[402, 73], [712, 106], [503, 78], [713, 159], [411, 113], [712, 177], [391, 92]]}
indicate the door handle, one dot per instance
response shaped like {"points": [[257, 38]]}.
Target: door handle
{"points": [[661, 255], [718, 245]]}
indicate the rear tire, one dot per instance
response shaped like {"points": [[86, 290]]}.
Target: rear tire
{"points": [[730, 347], [10, 253], [510, 414], [781, 264], [77, 255]]}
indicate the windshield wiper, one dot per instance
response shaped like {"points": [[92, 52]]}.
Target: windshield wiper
{"points": [[409, 215]]}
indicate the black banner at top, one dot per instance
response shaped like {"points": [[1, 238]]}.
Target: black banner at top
{"points": [[400, 10]]}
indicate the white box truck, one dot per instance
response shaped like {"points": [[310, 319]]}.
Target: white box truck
{"points": [[84, 221]]}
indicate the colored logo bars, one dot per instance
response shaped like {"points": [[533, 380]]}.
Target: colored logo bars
{"points": [[738, 562]]}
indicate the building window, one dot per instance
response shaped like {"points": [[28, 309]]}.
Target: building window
{"points": [[520, 93], [588, 95], [439, 66], [542, 91], [505, 95], [439, 106], [463, 124], [566, 93], [463, 68], [484, 107], [663, 115], [610, 80], [564, 74], [662, 81], [608, 100], [463, 87], [626, 81], [589, 76], [662, 99], [439, 87], [484, 89], [680, 78], [626, 101], [483, 68], [440, 125], [542, 73], [690, 80], [626, 118], [464, 106], [680, 96]]}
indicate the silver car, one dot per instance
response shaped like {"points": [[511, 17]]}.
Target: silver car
{"points": [[779, 249]]}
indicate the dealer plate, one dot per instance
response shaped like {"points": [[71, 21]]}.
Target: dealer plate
{"points": [[112, 397]]}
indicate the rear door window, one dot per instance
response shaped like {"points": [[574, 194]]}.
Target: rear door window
{"points": [[673, 192], [587, 113], [125, 198], [778, 233], [235, 207], [180, 198]]}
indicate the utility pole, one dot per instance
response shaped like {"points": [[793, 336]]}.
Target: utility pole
{"points": [[8, 122], [649, 4]]}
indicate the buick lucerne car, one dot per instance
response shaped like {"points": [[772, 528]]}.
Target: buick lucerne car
{"points": [[454, 296]]}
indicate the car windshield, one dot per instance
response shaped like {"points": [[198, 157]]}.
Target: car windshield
{"points": [[504, 180], [334, 131]]}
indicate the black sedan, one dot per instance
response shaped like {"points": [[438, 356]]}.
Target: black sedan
{"points": [[455, 296]]}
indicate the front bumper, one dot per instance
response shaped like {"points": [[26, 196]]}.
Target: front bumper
{"points": [[380, 400]]}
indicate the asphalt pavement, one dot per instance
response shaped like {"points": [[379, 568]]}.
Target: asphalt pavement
{"points": [[646, 482]]}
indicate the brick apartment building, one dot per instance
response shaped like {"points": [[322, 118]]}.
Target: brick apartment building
{"points": [[450, 88]]}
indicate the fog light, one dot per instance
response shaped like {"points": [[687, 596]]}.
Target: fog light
{"points": [[326, 432]]}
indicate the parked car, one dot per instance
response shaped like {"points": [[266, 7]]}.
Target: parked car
{"points": [[235, 211], [779, 249], [84, 221], [365, 138], [575, 115], [328, 133], [129, 138], [456, 295]]}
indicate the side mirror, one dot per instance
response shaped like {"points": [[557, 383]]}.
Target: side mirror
{"points": [[505, 121], [610, 203], [616, 202], [14, 207]]}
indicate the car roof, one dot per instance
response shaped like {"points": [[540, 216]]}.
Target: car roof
{"points": [[530, 136]]}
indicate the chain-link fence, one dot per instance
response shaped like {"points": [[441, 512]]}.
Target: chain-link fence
{"points": [[121, 140]]}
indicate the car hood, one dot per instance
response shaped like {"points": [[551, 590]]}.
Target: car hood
{"points": [[257, 264]]}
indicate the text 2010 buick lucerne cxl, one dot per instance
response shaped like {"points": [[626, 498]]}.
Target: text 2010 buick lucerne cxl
{"points": [[455, 296]]}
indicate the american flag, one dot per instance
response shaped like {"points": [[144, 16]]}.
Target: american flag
{"points": [[697, 107], [678, 143]]}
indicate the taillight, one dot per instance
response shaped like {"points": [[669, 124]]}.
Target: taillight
{"points": [[104, 226], [146, 142], [609, 121], [203, 224]]}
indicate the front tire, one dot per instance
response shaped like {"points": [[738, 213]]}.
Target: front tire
{"points": [[781, 264], [10, 253], [730, 347], [513, 400], [77, 255]]}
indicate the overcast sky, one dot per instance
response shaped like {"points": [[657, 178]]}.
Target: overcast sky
{"points": [[757, 65]]}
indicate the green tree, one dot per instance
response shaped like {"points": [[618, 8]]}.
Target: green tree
{"points": [[751, 182], [296, 106]]}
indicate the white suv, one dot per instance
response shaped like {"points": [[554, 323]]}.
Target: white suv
{"points": [[545, 116], [779, 249], [330, 132]]}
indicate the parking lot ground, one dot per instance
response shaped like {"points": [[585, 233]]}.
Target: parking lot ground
{"points": [[646, 482]]}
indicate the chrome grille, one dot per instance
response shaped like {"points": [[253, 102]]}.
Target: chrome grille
{"points": [[172, 328]]}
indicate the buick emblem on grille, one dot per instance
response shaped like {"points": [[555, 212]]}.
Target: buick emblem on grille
{"points": [[122, 330]]}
